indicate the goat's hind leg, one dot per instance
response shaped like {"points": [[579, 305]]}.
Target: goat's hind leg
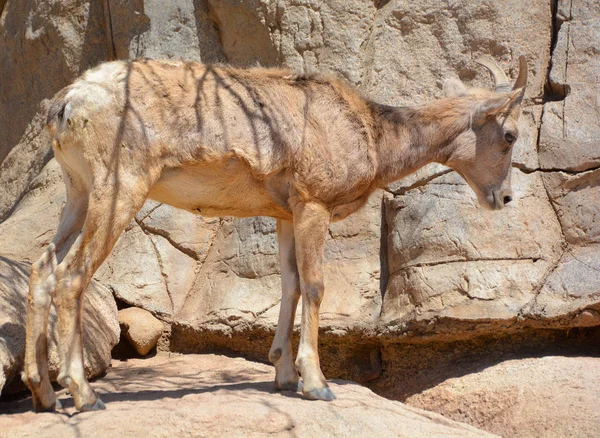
{"points": [[42, 285], [280, 355], [41, 291], [109, 212]]}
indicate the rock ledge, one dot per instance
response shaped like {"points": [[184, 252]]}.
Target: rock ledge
{"points": [[210, 395]]}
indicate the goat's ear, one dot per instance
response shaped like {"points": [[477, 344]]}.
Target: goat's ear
{"points": [[496, 105], [454, 88]]}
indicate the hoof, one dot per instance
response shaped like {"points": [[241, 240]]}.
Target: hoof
{"points": [[98, 406], [324, 393], [289, 386], [38, 407]]}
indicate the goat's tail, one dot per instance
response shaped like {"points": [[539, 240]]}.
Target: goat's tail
{"points": [[59, 112]]}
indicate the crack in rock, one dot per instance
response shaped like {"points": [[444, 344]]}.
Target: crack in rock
{"points": [[448, 262], [149, 229], [206, 259], [420, 183], [527, 308], [160, 264], [109, 30]]}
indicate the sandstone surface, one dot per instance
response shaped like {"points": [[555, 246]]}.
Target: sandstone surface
{"points": [[43, 47], [543, 397], [209, 395], [570, 132], [449, 259]]}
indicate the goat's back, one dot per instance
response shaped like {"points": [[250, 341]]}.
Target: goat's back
{"points": [[314, 129]]}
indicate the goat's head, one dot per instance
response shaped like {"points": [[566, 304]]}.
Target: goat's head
{"points": [[482, 154]]}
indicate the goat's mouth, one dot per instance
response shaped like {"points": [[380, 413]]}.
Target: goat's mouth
{"points": [[498, 203], [490, 200]]}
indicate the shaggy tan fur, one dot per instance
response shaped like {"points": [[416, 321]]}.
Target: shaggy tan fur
{"points": [[223, 141]]}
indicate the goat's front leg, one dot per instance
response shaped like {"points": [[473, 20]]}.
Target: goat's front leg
{"points": [[286, 376], [311, 221]]}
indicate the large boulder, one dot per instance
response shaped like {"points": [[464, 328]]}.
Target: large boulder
{"points": [[449, 259], [100, 326]]}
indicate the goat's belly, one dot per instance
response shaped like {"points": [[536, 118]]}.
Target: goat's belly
{"points": [[216, 192]]}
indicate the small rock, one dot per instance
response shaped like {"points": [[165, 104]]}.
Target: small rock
{"points": [[587, 318], [141, 329]]}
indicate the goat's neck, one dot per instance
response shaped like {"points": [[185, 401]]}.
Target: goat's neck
{"points": [[409, 138]]}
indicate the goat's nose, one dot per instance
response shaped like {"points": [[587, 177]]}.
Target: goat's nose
{"points": [[507, 199]]}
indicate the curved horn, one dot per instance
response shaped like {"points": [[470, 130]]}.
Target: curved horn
{"points": [[522, 79], [500, 79]]}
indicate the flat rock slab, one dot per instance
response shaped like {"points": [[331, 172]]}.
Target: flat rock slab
{"points": [[210, 395], [552, 396]]}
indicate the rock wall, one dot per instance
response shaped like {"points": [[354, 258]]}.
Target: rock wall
{"points": [[421, 262]]}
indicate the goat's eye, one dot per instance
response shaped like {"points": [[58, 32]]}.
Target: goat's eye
{"points": [[509, 137]]}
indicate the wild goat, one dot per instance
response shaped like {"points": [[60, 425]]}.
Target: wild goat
{"points": [[222, 141]]}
